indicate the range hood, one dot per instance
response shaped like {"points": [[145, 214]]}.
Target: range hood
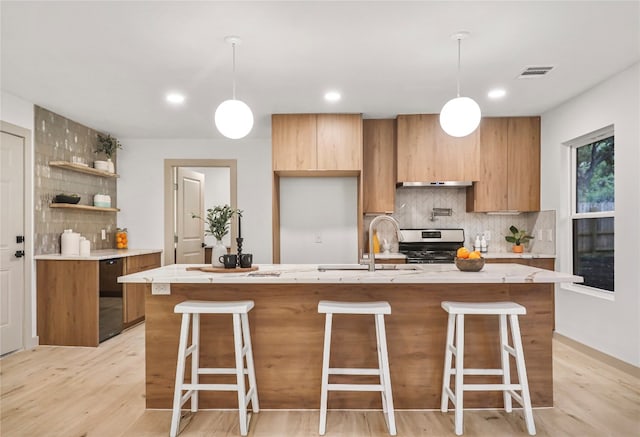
{"points": [[444, 184]]}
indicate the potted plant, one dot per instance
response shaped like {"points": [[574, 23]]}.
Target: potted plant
{"points": [[517, 237], [217, 224], [107, 145]]}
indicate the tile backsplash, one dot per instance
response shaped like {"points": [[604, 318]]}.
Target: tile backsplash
{"points": [[60, 139], [414, 207]]}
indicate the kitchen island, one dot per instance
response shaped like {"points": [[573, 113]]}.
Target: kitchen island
{"points": [[287, 331]]}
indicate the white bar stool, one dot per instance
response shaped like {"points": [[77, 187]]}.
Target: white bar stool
{"points": [[239, 310], [457, 311], [378, 309]]}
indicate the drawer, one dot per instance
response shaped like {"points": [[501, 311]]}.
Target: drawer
{"points": [[140, 263]]}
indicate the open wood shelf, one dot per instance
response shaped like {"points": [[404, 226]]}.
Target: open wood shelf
{"points": [[82, 169], [83, 207]]}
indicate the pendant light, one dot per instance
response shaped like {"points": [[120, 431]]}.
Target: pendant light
{"points": [[460, 116], [233, 117]]}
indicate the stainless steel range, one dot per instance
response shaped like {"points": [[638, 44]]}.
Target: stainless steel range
{"points": [[431, 246]]}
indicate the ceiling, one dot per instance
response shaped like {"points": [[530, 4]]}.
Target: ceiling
{"points": [[109, 65]]}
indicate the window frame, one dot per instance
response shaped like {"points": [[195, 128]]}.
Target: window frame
{"points": [[574, 145]]}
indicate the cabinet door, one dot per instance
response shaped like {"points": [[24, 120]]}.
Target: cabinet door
{"points": [[133, 306], [415, 158], [456, 159], [379, 165], [293, 141], [490, 192], [427, 154], [339, 142], [524, 164]]}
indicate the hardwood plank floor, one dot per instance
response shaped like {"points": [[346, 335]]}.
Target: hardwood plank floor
{"points": [[74, 392]]}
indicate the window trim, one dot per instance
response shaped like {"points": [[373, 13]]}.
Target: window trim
{"points": [[573, 145]]}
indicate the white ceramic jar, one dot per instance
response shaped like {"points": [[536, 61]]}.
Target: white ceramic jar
{"points": [[70, 243]]}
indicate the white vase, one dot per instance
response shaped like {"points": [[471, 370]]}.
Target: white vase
{"points": [[111, 166], [217, 251]]}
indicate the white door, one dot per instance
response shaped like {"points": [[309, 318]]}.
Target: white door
{"points": [[11, 226], [190, 231]]}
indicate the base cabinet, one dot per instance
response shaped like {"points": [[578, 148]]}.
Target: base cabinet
{"points": [[133, 294], [68, 299]]}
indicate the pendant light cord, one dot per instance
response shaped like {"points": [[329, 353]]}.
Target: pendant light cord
{"points": [[233, 45], [458, 67]]}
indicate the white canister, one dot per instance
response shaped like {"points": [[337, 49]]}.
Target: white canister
{"points": [[70, 243], [85, 247]]}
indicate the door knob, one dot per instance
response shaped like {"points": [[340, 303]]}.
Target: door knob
{"points": [[19, 253]]}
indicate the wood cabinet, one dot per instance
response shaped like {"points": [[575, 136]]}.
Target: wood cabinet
{"points": [[68, 298], [379, 166], [509, 166], [427, 154], [133, 294], [310, 142]]}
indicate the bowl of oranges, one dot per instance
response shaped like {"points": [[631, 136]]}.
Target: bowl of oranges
{"points": [[121, 239], [467, 261]]}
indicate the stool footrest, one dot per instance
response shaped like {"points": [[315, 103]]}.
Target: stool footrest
{"points": [[219, 371], [212, 387], [451, 395], [352, 371], [480, 372], [355, 387], [491, 387], [189, 350]]}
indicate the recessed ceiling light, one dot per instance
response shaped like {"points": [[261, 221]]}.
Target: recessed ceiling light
{"points": [[332, 96], [497, 93], [175, 98]]}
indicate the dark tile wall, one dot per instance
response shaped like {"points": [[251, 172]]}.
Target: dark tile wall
{"points": [[60, 139]]}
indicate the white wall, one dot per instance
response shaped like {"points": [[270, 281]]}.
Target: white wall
{"points": [[318, 220], [613, 327], [141, 187], [20, 112]]}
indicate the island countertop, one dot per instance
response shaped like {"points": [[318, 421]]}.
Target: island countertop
{"points": [[354, 274]]}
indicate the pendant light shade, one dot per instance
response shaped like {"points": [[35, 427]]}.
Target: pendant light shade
{"points": [[460, 116], [233, 117]]}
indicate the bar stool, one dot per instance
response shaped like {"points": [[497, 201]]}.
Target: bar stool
{"points": [[239, 310], [457, 311], [378, 309]]}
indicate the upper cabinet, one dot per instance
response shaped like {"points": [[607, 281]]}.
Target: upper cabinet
{"points": [[379, 166], [509, 166], [427, 154], [303, 142]]}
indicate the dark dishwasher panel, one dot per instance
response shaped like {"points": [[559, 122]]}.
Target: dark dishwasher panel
{"points": [[110, 298]]}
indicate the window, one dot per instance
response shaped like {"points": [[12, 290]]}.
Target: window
{"points": [[593, 209]]}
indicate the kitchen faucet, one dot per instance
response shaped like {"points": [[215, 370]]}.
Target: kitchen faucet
{"points": [[376, 219]]}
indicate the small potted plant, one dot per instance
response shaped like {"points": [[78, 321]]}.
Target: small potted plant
{"points": [[517, 237], [107, 145], [217, 224]]}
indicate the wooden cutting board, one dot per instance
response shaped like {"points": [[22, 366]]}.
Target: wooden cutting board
{"points": [[210, 269]]}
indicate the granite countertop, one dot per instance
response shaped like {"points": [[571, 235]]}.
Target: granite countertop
{"points": [[97, 255], [309, 274]]}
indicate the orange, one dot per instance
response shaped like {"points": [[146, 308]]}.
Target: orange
{"points": [[120, 246], [463, 252], [475, 255]]}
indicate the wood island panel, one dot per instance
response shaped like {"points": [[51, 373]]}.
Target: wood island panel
{"points": [[287, 335]]}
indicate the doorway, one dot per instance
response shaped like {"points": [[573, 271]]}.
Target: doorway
{"points": [[16, 251], [172, 201]]}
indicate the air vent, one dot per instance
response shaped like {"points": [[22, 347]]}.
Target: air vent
{"points": [[535, 72]]}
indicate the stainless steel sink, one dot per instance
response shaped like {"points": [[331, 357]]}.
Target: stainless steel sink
{"points": [[363, 267]]}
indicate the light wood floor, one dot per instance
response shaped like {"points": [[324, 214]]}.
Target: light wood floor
{"points": [[74, 392]]}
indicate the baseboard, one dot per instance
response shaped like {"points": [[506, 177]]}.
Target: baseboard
{"points": [[600, 356]]}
